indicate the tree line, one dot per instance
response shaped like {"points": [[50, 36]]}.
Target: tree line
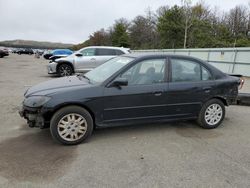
{"points": [[184, 26]]}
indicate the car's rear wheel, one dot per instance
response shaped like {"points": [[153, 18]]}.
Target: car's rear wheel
{"points": [[65, 70], [212, 114], [71, 125]]}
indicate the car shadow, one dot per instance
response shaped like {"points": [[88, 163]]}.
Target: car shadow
{"points": [[182, 128], [34, 157], [52, 76], [49, 76]]}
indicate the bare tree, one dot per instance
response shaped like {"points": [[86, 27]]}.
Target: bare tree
{"points": [[237, 20], [188, 14]]}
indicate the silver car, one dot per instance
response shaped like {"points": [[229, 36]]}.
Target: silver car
{"points": [[84, 60]]}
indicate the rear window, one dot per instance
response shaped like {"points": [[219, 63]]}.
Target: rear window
{"points": [[119, 52]]}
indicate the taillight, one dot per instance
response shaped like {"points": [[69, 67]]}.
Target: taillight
{"points": [[241, 82]]}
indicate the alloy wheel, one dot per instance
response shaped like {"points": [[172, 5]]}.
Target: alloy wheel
{"points": [[65, 70], [72, 127], [213, 114]]}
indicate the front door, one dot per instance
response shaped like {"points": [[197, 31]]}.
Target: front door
{"points": [[87, 61], [144, 96]]}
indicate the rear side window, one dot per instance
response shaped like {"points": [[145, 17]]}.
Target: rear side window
{"points": [[185, 70], [188, 71], [206, 75], [103, 52]]}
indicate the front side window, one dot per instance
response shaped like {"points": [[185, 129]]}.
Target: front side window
{"points": [[88, 52], [185, 70], [146, 72]]}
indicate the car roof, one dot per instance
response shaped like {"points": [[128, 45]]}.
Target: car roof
{"points": [[153, 55], [144, 56], [109, 47]]}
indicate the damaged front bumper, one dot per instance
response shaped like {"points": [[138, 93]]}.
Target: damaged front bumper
{"points": [[34, 116]]}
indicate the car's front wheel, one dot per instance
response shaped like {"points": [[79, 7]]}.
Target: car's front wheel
{"points": [[65, 70], [71, 125], [212, 114]]}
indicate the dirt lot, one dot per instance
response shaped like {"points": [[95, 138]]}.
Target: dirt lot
{"points": [[158, 155]]}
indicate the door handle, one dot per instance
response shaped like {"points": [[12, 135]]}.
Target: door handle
{"points": [[92, 59], [207, 89], [157, 93]]}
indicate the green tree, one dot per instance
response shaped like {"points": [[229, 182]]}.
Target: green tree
{"points": [[201, 31], [119, 35], [191, 26], [142, 32], [171, 28], [100, 38]]}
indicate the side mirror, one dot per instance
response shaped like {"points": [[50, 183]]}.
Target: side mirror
{"points": [[119, 82], [78, 55]]}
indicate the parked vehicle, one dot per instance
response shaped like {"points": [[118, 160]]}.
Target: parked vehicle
{"points": [[28, 51], [130, 89], [15, 50], [47, 54], [4, 52], [84, 60], [59, 53], [38, 53]]}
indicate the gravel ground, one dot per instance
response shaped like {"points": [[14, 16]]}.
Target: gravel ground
{"points": [[158, 155]]}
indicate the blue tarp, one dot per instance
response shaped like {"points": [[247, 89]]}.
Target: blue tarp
{"points": [[61, 52]]}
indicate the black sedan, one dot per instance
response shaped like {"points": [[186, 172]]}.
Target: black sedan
{"points": [[3, 53], [28, 51], [130, 89]]}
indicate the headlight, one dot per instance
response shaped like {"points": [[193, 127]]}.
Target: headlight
{"points": [[36, 101]]}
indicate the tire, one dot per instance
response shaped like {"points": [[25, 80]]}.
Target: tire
{"points": [[65, 70], [68, 131], [212, 114]]}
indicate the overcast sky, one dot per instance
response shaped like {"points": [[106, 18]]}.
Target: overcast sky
{"points": [[72, 21]]}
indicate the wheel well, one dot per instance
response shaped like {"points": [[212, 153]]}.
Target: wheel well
{"points": [[65, 62], [48, 118], [221, 99]]}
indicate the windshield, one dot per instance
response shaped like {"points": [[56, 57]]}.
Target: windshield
{"points": [[104, 71]]}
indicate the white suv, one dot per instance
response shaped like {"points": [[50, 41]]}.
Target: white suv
{"points": [[84, 60]]}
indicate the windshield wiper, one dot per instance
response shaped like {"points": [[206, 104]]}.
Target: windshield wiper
{"points": [[86, 77]]}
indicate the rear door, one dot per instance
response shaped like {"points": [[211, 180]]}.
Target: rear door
{"points": [[190, 85], [104, 54]]}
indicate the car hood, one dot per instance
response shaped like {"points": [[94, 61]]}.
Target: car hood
{"points": [[69, 58], [57, 85]]}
